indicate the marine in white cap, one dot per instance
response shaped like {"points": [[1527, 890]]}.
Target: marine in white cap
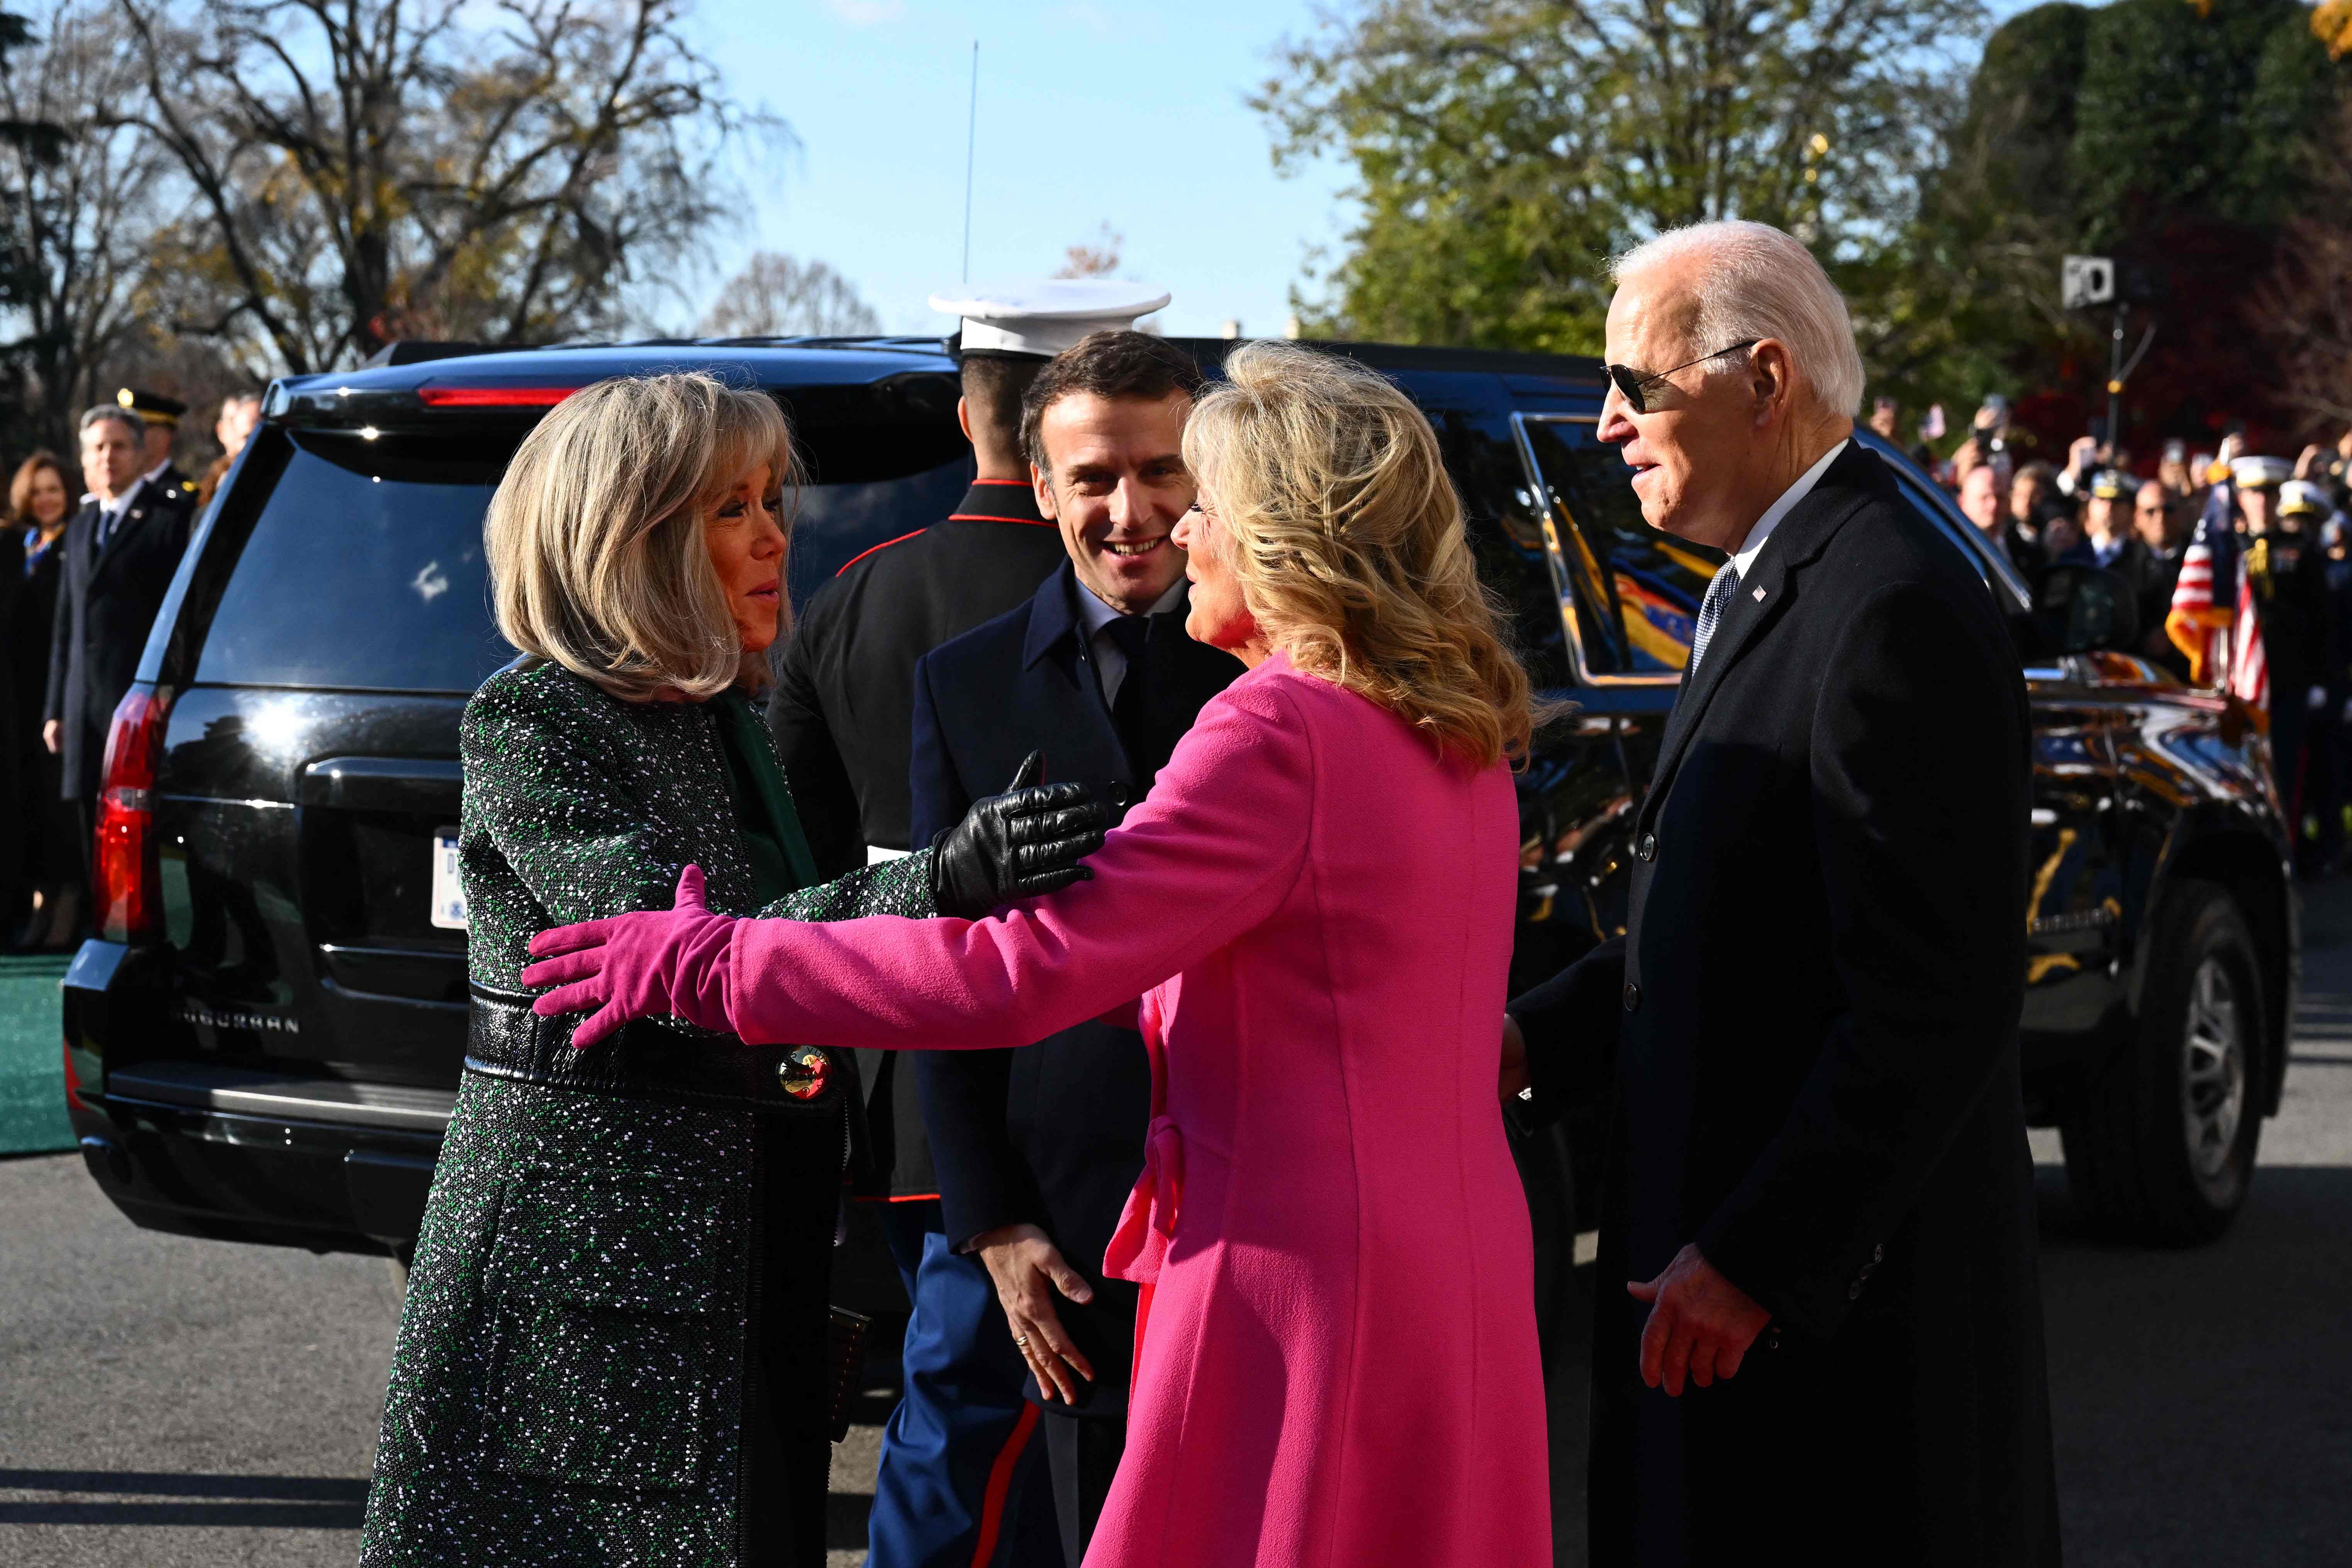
{"points": [[843, 713], [842, 704]]}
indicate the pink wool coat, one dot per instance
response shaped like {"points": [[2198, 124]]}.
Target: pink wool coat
{"points": [[1339, 1365]]}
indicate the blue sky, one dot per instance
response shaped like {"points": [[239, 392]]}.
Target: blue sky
{"points": [[1090, 113], [1129, 114]]}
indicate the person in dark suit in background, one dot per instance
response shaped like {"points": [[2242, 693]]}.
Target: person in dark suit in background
{"points": [[1038, 1148], [841, 714], [120, 551], [1819, 1331], [40, 505], [2162, 524]]}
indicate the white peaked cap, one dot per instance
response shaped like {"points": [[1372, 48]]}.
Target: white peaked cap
{"points": [[2302, 495], [2259, 473], [1045, 317]]}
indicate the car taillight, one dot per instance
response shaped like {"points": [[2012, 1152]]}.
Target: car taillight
{"points": [[493, 396], [124, 872]]}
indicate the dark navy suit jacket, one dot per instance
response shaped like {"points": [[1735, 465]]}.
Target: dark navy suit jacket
{"points": [[1051, 1134]]}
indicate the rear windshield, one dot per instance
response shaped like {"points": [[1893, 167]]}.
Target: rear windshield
{"points": [[364, 570]]}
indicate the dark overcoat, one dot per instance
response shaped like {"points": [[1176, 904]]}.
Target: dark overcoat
{"points": [[1816, 1003], [840, 711], [106, 605], [1051, 1134]]}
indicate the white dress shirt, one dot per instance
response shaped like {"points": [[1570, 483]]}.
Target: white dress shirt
{"points": [[1110, 659], [1744, 558]]}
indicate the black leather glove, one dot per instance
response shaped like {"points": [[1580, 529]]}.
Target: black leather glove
{"points": [[1026, 841]]}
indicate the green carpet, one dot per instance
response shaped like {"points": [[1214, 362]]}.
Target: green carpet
{"points": [[32, 1070]]}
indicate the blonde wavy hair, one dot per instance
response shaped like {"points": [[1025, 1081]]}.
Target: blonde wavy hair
{"points": [[1346, 534], [594, 538]]}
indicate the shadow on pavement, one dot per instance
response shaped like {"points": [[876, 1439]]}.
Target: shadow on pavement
{"points": [[266, 1503]]}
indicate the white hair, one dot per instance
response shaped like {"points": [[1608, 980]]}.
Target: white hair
{"points": [[1756, 282]]}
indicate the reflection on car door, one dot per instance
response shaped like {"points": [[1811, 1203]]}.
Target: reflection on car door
{"points": [[2073, 905]]}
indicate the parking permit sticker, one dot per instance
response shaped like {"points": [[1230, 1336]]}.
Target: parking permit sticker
{"points": [[449, 889]]}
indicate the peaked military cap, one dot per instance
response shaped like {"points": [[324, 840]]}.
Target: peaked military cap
{"points": [[2259, 473], [152, 406], [2302, 496], [1038, 320], [2109, 485]]}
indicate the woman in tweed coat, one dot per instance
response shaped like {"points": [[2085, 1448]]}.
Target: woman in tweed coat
{"points": [[614, 1348]]}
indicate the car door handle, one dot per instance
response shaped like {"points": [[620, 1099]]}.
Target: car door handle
{"points": [[384, 783]]}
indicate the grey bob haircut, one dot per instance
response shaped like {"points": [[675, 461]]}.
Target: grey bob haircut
{"points": [[594, 538]]}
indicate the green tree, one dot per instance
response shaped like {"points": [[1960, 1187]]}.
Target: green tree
{"points": [[1504, 148]]}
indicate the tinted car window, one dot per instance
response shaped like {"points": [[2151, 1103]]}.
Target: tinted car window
{"points": [[364, 571], [1634, 591]]}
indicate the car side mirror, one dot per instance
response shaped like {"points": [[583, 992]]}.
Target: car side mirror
{"points": [[2079, 609]]}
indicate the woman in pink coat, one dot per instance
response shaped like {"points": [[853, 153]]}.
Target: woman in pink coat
{"points": [[1336, 1360]]}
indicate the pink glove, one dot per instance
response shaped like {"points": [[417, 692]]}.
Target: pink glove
{"points": [[643, 966]]}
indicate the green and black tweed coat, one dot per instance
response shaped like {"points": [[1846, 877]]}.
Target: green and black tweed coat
{"points": [[614, 1348]]}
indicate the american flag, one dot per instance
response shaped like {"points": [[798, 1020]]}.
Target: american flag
{"points": [[2225, 645]]}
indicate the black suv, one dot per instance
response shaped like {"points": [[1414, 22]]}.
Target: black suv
{"points": [[263, 1042]]}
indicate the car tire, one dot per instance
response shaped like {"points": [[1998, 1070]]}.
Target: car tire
{"points": [[2161, 1148]]}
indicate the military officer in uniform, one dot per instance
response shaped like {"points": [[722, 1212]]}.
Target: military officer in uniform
{"points": [[1038, 1148], [120, 551], [2289, 573], [159, 419], [842, 713]]}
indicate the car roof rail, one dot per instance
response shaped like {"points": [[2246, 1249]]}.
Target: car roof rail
{"points": [[417, 350]]}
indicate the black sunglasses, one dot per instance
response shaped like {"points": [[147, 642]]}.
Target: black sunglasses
{"points": [[1632, 383]]}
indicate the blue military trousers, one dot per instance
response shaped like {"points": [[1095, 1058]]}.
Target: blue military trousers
{"points": [[957, 1457]]}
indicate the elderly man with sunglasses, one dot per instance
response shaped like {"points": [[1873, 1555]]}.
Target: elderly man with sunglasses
{"points": [[1818, 1332]]}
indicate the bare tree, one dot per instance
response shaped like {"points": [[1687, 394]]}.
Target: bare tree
{"points": [[84, 203], [775, 296], [365, 170], [1096, 259]]}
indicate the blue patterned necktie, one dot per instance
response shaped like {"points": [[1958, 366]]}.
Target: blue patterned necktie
{"points": [[1710, 610]]}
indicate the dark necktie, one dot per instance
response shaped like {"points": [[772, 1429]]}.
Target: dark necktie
{"points": [[1131, 710], [1710, 611]]}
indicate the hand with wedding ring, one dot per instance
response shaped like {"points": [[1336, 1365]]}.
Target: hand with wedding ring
{"points": [[1022, 1263]]}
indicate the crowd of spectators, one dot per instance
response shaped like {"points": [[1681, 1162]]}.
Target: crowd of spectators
{"points": [[2289, 522], [54, 638]]}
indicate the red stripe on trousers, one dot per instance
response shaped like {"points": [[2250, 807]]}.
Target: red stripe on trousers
{"points": [[1000, 1481]]}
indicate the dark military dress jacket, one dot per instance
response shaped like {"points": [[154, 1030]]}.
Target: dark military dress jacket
{"points": [[843, 702], [614, 1348]]}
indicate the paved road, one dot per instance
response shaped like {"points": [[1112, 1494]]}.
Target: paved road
{"points": [[166, 1402]]}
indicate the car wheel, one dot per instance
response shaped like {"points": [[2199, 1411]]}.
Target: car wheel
{"points": [[2161, 1147]]}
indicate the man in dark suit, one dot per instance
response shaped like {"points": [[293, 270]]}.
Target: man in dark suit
{"points": [[120, 551], [840, 713], [1038, 1148], [1819, 1332]]}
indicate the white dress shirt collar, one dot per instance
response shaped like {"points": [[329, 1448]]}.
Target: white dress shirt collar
{"points": [[1745, 557]]}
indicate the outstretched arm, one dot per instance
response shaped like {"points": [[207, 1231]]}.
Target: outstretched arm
{"points": [[1208, 855]]}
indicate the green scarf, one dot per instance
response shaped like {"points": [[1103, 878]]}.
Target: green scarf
{"points": [[778, 849]]}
